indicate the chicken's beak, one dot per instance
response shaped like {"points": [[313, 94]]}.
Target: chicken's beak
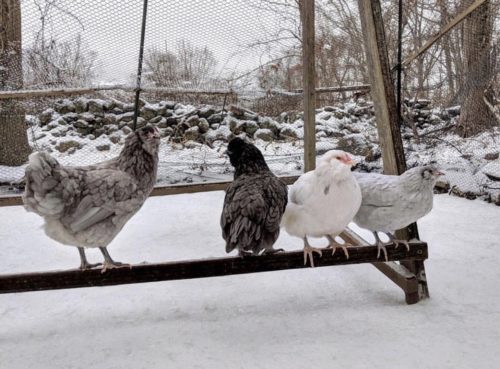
{"points": [[347, 160], [438, 173]]}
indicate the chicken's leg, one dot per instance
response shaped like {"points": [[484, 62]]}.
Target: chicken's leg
{"points": [[380, 246], [398, 242], [84, 264], [110, 263], [334, 244], [308, 252]]}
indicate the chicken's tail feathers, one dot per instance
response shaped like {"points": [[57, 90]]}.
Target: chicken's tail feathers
{"points": [[230, 247], [40, 195]]}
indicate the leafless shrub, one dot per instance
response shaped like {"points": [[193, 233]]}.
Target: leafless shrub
{"points": [[187, 66], [56, 63]]}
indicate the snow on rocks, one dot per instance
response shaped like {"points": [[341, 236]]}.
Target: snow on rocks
{"points": [[99, 126], [492, 170]]}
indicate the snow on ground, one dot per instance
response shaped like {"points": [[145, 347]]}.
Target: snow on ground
{"points": [[337, 317]]}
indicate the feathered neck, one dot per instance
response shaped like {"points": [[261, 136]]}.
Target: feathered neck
{"points": [[329, 173], [255, 165], [414, 180], [137, 162]]}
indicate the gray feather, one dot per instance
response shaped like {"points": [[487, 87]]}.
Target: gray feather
{"points": [[87, 206], [393, 202]]}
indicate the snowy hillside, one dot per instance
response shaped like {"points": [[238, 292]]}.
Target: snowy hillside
{"points": [[334, 317]]}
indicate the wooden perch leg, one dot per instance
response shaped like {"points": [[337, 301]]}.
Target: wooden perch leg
{"points": [[403, 278], [409, 275], [417, 268]]}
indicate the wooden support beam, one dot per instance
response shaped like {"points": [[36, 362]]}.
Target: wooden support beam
{"points": [[382, 87], [197, 269], [448, 27], [10, 200], [322, 90], [309, 83], [181, 91], [203, 187], [162, 190], [25, 94], [398, 273]]}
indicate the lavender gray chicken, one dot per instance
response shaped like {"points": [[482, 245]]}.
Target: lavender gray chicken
{"points": [[87, 206], [394, 202], [254, 203]]}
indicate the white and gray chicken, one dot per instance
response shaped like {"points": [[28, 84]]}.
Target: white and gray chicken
{"points": [[322, 202], [393, 202], [87, 206]]}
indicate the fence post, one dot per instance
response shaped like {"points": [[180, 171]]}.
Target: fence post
{"points": [[382, 87], [386, 113], [309, 83]]}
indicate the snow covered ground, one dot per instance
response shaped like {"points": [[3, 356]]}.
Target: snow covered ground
{"points": [[339, 317]]}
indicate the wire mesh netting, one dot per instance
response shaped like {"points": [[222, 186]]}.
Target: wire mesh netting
{"points": [[451, 108], [213, 70], [203, 81]]}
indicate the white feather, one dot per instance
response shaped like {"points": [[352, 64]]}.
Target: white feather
{"points": [[323, 201]]}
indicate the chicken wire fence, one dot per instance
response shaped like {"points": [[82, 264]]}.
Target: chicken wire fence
{"points": [[216, 69]]}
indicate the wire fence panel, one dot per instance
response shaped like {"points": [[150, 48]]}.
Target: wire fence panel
{"points": [[214, 70]]}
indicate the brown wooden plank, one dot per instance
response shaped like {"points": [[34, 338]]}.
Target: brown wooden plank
{"points": [[322, 90], [398, 273], [163, 190], [382, 87], [197, 269], [417, 267], [309, 83], [10, 200], [24, 94]]}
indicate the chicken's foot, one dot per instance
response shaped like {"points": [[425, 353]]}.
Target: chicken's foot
{"points": [[334, 244], [84, 264], [109, 263], [308, 252]]}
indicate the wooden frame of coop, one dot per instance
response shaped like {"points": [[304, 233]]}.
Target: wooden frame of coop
{"points": [[408, 274]]}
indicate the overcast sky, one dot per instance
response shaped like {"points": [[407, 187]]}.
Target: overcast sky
{"points": [[112, 29]]}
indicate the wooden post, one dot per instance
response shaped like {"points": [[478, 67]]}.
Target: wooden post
{"points": [[382, 87], [14, 146], [309, 83], [386, 112]]}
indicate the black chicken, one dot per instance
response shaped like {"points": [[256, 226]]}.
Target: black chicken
{"points": [[254, 203]]}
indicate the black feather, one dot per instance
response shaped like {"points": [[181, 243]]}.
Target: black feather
{"points": [[254, 203]]}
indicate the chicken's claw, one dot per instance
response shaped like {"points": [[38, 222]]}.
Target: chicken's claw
{"points": [[308, 254], [114, 265]]}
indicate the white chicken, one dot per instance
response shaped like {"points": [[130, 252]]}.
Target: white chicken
{"points": [[322, 202]]}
